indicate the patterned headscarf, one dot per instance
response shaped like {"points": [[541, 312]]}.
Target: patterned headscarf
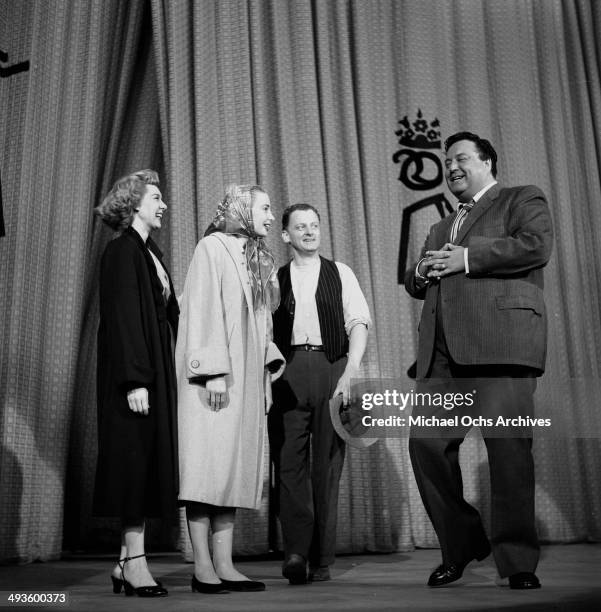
{"points": [[234, 216]]}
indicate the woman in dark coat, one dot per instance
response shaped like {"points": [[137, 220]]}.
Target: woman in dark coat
{"points": [[137, 422]]}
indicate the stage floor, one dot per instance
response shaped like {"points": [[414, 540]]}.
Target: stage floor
{"points": [[570, 575]]}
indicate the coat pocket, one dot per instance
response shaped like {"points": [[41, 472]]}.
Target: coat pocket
{"points": [[519, 302]]}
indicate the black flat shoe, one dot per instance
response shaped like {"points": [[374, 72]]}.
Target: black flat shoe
{"points": [[295, 569], [524, 580], [207, 587], [243, 585]]}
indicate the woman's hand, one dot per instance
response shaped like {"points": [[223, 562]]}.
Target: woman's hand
{"points": [[217, 395], [268, 392], [138, 400]]}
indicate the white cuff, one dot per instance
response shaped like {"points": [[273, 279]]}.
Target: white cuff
{"points": [[417, 274]]}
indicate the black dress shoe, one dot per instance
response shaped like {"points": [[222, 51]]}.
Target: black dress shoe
{"points": [[208, 588], [445, 574], [243, 585], [524, 580], [295, 569], [450, 572]]}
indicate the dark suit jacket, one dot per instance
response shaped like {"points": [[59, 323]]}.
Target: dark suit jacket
{"points": [[496, 314]]}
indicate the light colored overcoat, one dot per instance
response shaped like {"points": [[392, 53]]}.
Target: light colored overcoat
{"points": [[221, 452]]}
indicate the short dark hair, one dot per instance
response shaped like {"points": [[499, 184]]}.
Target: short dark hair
{"points": [[118, 207], [485, 150], [294, 207]]}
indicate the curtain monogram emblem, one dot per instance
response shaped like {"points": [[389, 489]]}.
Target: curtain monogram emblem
{"points": [[6, 71], [417, 138]]}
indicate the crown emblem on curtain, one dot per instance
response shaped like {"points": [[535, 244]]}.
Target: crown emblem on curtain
{"points": [[421, 170], [419, 134]]}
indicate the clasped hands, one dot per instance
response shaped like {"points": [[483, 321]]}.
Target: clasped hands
{"points": [[448, 260]]}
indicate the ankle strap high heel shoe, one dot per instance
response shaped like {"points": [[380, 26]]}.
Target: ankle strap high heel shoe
{"points": [[156, 590], [118, 582]]}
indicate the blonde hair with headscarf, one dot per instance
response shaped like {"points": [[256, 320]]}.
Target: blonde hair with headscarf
{"points": [[234, 216]]}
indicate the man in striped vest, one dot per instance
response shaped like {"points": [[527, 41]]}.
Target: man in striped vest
{"points": [[321, 329]]}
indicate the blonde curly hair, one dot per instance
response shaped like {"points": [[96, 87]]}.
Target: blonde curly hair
{"points": [[119, 206]]}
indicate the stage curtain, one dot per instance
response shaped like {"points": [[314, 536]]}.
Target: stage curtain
{"points": [[85, 113], [303, 97]]}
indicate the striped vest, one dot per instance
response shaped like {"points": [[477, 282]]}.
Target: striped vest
{"points": [[328, 298]]}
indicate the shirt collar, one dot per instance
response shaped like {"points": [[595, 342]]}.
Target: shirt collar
{"points": [[313, 262], [483, 191]]}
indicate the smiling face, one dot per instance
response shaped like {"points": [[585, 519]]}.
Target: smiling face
{"points": [[466, 174], [261, 214], [150, 210], [303, 232]]}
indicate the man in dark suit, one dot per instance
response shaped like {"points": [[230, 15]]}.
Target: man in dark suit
{"points": [[481, 278]]}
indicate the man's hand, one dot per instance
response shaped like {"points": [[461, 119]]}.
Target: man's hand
{"points": [[138, 400], [217, 396], [344, 384], [449, 260]]}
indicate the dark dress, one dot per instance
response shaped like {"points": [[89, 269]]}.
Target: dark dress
{"points": [[137, 471]]}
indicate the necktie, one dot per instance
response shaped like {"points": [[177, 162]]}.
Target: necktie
{"points": [[464, 209]]}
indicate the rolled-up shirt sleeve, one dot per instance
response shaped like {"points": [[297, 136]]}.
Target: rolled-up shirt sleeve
{"points": [[354, 304]]}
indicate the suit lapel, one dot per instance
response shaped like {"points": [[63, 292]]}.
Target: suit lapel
{"points": [[443, 230], [483, 204]]}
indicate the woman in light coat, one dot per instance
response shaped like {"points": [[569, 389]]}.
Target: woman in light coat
{"points": [[225, 362]]}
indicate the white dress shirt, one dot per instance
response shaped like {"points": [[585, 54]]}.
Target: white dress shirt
{"points": [[304, 278], [475, 199]]}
